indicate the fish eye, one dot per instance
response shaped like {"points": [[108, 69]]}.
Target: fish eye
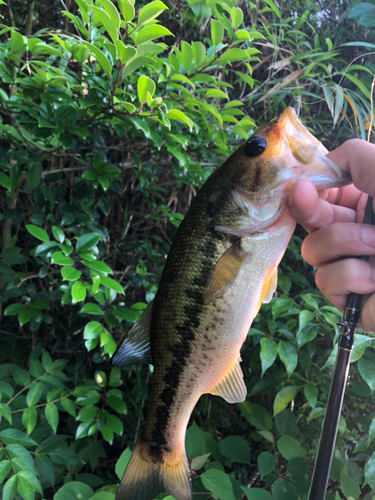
{"points": [[255, 146]]}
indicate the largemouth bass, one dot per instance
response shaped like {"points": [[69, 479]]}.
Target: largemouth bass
{"points": [[221, 266]]}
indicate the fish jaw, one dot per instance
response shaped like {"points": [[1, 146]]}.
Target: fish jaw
{"points": [[301, 155]]}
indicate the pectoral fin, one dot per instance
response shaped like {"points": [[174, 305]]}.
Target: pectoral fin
{"points": [[269, 286], [224, 273], [258, 211], [135, 350], [231, 387]]}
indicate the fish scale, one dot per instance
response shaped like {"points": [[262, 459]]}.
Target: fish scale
{"points": [[221, 266]]}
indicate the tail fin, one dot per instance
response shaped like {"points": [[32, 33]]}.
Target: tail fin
{"points": [[144, 477]]}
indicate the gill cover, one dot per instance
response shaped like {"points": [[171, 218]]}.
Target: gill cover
{"points": [[262, 172]]}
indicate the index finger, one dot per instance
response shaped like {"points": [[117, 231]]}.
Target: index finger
{"points": [[358, 158]]}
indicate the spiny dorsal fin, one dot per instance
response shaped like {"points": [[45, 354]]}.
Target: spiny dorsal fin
{"points": [[135, 350], [224, 273], [231, 387], [271, 286]]}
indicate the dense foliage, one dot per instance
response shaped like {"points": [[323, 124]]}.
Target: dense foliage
{"points": [[112, 116]]}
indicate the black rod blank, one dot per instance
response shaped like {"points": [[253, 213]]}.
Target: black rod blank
{"points": [[327, 441]]}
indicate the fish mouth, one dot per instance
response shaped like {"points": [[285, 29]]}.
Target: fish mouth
{"points": [[304, 156]]}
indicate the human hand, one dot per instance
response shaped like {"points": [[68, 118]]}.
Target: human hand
{"points": [[333, 218]]}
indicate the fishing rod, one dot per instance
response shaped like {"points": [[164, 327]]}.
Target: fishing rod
{"points": [[340, 376]]}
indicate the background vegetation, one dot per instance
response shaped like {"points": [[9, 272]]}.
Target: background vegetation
{"points": [[111, 117]]}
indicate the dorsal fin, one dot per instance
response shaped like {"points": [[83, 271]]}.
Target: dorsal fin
{"points": [[135, 350], [224, 273], [232, 386]]}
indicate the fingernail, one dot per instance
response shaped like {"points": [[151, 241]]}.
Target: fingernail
{"points": [[368, 236]]}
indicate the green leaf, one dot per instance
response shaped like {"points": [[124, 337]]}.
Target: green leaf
{"points": [[125, 54], [18, 43], [61, 259], [216, 93], [68, 406], [268, 353], [101, 58], [194, 442], [37, 232], [74, 490], [274, 7], [111, 284], [150, 33], [70, 274], [284, 490], [52, 415], [91, 308], [5, 467], [117, 404], [236, 15], [311, 393], [34, 175], [284, 397], [107, 341], [199, 53], [349, 487], [232, 55], [122, 462], [105, 495], [305, 318], [92, 330], [107, 434], [87, 241], [34, 394], [176, 114], [14, 309], [298, 467], [218, 483], [107, 22], [289, 447], [288, 355], [217, 32], [114, 423], [199, 462], [366, 370], [236, 449], [21, 377], [256, 494], [127, 9], [256, 415], [150, 11], [5, 412], [87, 413], [24, 317], [10, 488], [78, 292], [145, 85], [29, 419], [111, 10], [266, 463], [5, 181], [370, 470], [14, 436], [98, 266], [27, 484]]}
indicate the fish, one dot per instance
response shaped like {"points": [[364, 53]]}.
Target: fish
{"points": [[222, 265]]}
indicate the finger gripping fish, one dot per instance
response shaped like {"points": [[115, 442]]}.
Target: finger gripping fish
{"points": [[221, 267]]}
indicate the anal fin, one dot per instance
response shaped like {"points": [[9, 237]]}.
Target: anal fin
{"points": [[136, 347], [224, 273], [232, 386]]}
